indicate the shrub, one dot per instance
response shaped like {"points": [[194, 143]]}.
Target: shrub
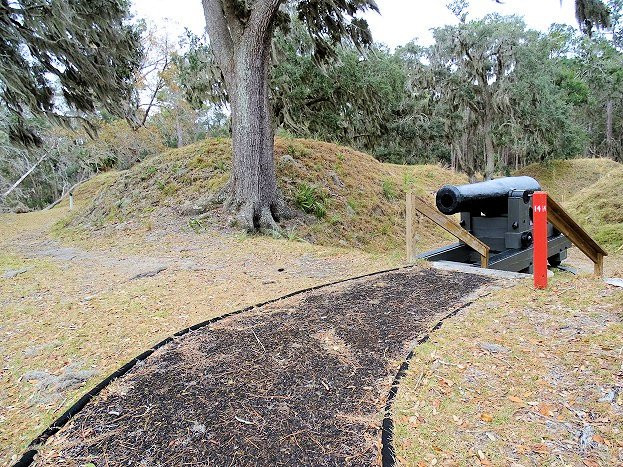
{"points": [[311, 200]]}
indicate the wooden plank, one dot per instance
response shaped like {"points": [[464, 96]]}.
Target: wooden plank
{"points": [[450, 226], [564, 223], [410, 239]]}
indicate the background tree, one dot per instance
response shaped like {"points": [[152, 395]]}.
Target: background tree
{"points": [[591, 15], [483, 54], [351, 99], [61, 59]]}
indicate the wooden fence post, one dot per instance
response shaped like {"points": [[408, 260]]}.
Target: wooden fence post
{"points": [[409, 221]]}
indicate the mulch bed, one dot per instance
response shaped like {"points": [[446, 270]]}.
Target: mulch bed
{"points": [[302, 381]]}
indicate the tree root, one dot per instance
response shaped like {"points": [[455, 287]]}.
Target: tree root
{"points": [[249, 215], [267, 222], [222, 196]]}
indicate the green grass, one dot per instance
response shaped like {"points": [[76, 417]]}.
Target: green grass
{"points": [[389, 189], [565, 178]]}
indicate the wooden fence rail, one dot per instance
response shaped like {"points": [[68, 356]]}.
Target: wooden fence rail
{"points": [[415, 203], [564, 223]]}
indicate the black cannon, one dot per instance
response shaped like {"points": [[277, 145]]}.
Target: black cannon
{"points": [[499, 213], [488, 197]]}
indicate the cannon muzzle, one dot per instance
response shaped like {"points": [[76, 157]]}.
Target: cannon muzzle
{"points": [[488, 197]]}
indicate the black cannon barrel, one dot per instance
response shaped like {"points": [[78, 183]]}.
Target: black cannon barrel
{"points": [[488, 197]]}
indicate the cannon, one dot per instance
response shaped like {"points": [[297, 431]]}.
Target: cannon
{"points": [[488, 197], [499, 214]]}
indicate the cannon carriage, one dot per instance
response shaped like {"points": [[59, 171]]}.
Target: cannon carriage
{"points": [[499, 214]]}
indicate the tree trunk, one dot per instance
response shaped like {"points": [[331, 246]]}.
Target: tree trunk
{"points": [[489, 151], [241, 45], [609, 133], [453, 157], [253, 183], [178, 130]]}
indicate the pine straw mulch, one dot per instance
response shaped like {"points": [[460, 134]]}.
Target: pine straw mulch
{"points": [[302, 381]]}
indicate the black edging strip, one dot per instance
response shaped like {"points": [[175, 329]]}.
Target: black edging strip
{"points": [[32, 449], [388, 453]]}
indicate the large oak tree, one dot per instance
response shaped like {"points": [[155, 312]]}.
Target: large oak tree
{"points": [[241, 33]]}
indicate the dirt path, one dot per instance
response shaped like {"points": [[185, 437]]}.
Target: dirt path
{"points": [[299, 382], [74, 309]]}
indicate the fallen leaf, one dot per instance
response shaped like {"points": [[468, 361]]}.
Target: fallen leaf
{"points": [[599, 439], [447, 382], [545, 409], [540, 448], [486, 417], [590, 463], [516, 399], [242, 420]]}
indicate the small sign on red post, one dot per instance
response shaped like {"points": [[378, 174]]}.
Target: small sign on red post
{"points": [[539, 238]]}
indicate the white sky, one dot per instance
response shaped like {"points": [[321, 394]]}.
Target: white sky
{"points": [[399, 21]]}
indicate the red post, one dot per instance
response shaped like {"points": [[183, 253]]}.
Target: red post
{"points": [[539, 238]]}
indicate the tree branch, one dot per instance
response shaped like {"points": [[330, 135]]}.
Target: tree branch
{"points": [[21, 179], [220, 37], [262, 15]]}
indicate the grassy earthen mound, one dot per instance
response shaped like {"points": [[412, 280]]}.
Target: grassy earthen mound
{"points": [[342, 196], [591, 189], [564, 178], [599, 209]]}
